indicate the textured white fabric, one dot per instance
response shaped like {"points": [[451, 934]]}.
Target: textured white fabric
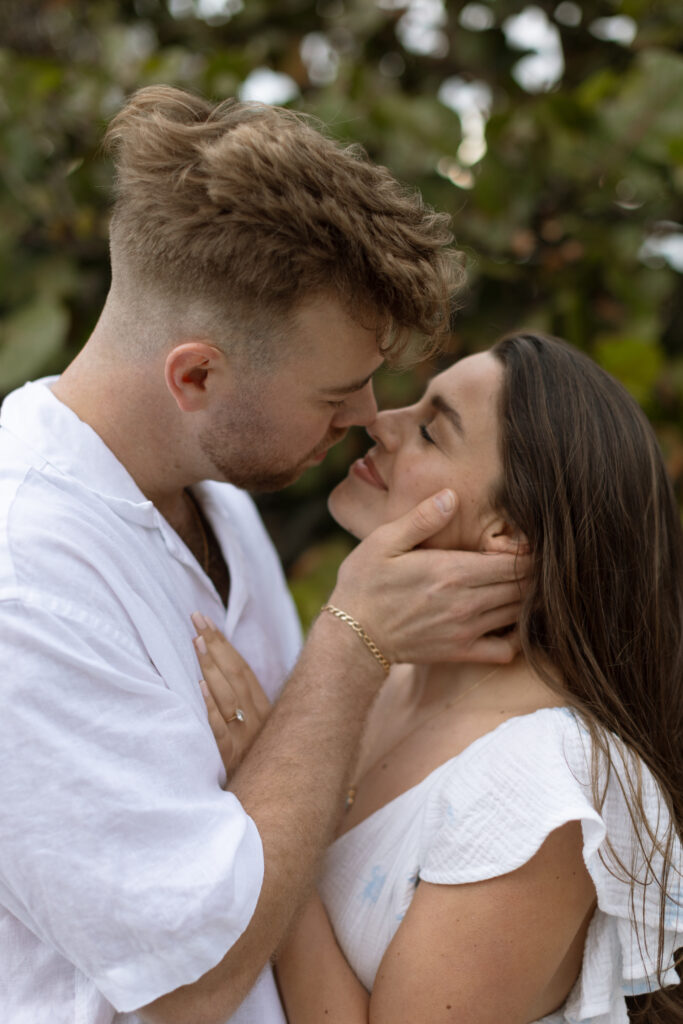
{"points": [[485, 813], [125, 869]]}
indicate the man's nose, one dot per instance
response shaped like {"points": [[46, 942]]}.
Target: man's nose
{"points": [[359, 410], [384, 429]]}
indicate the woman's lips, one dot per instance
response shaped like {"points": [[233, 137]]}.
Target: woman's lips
{"points": [[367, 471]]}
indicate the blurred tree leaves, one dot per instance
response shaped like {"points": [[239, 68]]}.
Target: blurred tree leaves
{"points": [[31, 336], [571, 219]]}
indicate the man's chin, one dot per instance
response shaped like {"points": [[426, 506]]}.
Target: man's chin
{"points": [[271, 482]]}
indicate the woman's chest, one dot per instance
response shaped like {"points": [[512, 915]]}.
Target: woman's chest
{"points": [[400, 752], [369, 879]]}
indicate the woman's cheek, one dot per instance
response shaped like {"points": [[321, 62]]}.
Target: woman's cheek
{"points": [[447, 539], [451, 537], [463, 532]]}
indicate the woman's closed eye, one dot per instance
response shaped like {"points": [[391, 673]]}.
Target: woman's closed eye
{"points": [[426, 435]]}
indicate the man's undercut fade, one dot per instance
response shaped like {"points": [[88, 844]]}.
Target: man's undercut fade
{"points": [[243, 210]]}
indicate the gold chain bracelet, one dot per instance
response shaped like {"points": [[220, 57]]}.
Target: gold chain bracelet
{"points": [[357, 628]]}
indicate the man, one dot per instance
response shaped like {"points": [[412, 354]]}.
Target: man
{"points": [[260, 274]]}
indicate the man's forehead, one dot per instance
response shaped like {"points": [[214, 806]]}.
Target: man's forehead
{"points": [[325, 317], [330, 352], [349, 386]]}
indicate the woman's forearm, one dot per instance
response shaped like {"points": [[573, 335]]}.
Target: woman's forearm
{"points": [[316, 983]]}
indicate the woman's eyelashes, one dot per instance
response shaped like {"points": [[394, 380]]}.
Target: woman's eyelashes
{"points": [[426, 435]]}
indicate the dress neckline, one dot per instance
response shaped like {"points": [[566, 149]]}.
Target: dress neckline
{"points": [[479, 741]]}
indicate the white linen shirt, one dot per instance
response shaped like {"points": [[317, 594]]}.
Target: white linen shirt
{"points": [[125, 869]]}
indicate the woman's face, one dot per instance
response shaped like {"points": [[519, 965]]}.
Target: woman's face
{"points": [[447, 439]]}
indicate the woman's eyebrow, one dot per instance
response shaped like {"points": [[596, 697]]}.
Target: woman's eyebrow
{"points": [[439, 404]]}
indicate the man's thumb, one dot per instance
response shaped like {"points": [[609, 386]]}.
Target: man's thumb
{"points": [[422, 522]]}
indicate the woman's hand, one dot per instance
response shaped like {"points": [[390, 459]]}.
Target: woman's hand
{"points": [[235, 701]]}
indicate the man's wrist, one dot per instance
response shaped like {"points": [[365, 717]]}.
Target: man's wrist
{"points": [[337, 643], [360, 632]]}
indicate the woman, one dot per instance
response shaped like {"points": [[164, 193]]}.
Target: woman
{"points": [[511, 851]]}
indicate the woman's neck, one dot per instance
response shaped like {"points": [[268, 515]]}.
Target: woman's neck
{"points": [[479, 685]]}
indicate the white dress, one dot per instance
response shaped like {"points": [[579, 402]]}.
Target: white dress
{"points": [[485, 813]]}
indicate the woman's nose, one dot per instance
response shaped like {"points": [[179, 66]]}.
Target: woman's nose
{"points": [[385, 429]]}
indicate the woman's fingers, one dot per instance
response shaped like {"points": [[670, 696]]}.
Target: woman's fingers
{"points": [[235, 700], [234, 668], [221, 686], [220, 730], [233, 735]]}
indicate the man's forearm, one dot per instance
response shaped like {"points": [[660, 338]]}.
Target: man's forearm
{"points": [[291, 783]]}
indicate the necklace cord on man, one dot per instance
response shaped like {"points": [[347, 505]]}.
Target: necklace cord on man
{"points": [[200, 524]]}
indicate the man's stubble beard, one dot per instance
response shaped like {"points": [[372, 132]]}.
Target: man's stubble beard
{"points": [[251, 472], [241, 453]]}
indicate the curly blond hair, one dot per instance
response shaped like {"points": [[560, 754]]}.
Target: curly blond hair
{"points": [[242, 210]]}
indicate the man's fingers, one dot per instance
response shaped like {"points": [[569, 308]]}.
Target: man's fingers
{"points": [[504, 568], [498, 618], [480, 569], [420, 523], [500, 650]]}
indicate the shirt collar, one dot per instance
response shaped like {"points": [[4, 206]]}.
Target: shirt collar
{"points": [[36, 417]]}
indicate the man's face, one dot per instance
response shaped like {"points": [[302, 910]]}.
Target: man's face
{"points": [[274, 424]]}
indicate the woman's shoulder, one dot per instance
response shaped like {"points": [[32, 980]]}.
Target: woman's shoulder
{"points": [[515, 746], [491, 807], [515, 713], [523, 737]]}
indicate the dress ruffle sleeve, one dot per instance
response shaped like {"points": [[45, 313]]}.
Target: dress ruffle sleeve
{"points": [[498, 801]]}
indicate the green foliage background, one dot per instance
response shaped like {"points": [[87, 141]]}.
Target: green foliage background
{"points": [[555, 217]]}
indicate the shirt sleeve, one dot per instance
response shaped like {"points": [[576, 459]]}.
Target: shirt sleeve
{"points": [[118, 847], [499, 801]]}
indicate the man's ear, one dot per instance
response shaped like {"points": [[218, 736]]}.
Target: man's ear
{"points": [[502, 536], [189, 371]]}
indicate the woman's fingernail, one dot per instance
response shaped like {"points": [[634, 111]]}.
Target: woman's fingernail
{"points": [[203, 687], [444, 501], [200, 644], [198, 620]]}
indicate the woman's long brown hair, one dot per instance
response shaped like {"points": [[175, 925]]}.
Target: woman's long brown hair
{"points": [[584, 479]]}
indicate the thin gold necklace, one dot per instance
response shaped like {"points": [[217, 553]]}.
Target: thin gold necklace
{"points": [[352, 790], [200, 524]]}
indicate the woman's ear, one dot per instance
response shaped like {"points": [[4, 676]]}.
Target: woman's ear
{"points": [[502, 536]]}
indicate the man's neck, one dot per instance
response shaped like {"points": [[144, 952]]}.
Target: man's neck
{"points": [[135, 426]]}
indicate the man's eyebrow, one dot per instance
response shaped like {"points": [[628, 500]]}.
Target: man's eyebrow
{"points": [[439, 404], [347, 389]]}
